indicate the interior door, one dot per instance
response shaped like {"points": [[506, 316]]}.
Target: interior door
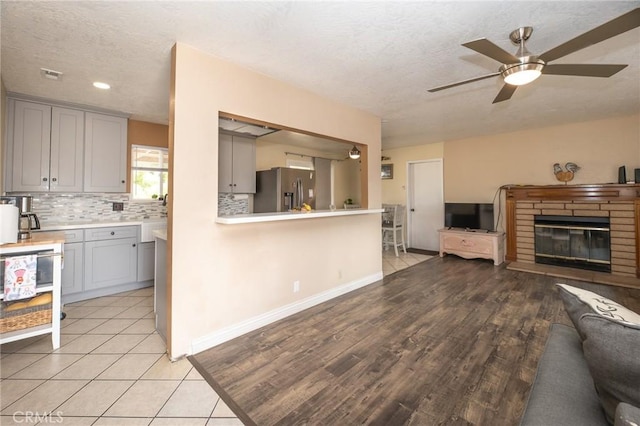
{"points": [[425, 204]]}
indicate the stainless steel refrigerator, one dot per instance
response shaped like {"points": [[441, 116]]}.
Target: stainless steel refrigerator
{"points": [[282, 189]]}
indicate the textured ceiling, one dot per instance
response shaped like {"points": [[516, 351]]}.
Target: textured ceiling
{"points": [[377, 56]]}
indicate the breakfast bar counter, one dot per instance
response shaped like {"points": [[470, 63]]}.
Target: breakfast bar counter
{"points": [[279, 216]]}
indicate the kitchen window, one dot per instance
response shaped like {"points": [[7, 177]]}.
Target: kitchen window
{"points": [[149, 172]]}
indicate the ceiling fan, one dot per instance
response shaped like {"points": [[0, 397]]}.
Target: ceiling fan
{"points": [[523, 67]]}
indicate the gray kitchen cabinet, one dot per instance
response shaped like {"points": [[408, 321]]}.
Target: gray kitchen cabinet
{"points": [[146, 254], [105, 161], [110, 256], [236, 164], [73, 261], [45, 150], [71, 278]]}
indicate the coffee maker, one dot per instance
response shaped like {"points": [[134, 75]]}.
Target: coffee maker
{"points": [[28, 220]]}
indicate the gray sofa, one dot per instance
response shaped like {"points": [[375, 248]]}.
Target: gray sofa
{"points": [[563, 392]]}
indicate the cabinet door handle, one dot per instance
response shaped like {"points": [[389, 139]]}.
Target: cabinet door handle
{"points": [[413, 210], [54, 180], [122, 181], [113, 233], [44, 179], [133, 245]]}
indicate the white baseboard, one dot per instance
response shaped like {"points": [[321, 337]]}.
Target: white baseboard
{"points": [[205, 342]]}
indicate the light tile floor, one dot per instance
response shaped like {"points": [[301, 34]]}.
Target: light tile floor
{"points": [[391, 263], [111, 369]]}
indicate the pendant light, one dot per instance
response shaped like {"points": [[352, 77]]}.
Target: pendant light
{"points": [[354, 153]]}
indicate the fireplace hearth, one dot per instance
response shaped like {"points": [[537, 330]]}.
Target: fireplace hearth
{"points": [[575, 242]]}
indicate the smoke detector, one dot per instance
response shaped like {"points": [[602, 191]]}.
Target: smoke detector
{"points": [[50, 74]]}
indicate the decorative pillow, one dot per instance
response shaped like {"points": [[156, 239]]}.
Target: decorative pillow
{"points": [[612, 351], [578, 302]]}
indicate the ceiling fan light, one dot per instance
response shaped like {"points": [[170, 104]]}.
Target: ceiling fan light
{"points": [[354, 153], [519, 75]]}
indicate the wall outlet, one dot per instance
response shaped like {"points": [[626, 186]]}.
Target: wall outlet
{"points": [[296, 286], [118, 207]]}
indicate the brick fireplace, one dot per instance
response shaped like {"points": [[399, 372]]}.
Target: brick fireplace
{"points": [[619, 204]]}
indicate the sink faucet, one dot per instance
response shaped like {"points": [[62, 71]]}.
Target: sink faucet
{"points": [[164, 200]]}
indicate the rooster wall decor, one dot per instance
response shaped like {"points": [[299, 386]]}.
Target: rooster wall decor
{"points": [[565, 176]]}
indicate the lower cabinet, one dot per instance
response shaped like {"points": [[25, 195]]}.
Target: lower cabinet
{"points": [[73, 262], [110, 262], [105, 260], [71, 276], [146, 254]]}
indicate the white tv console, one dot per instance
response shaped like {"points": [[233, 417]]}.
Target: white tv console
{"points": [[473, 244]]}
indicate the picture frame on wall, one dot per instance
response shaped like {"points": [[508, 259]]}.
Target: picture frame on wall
{"points": [[386, 171]]}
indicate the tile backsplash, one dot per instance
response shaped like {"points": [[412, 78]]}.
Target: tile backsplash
{"points": [[76, 207], [228, 205]]}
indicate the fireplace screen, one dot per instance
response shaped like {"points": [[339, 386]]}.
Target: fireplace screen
{"points": [[579, 242]]}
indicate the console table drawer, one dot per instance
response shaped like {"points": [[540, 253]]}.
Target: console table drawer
{"points": [[473, 245]]}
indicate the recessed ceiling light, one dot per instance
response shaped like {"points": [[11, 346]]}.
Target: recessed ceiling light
{"points": [[101, 85]]}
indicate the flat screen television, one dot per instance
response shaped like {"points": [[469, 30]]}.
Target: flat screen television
{"points": [[476, 216]]}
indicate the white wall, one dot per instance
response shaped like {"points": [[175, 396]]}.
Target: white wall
{"points": [[224, 275]]}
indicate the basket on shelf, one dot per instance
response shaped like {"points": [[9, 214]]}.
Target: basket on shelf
{"points": [[30, 316]]}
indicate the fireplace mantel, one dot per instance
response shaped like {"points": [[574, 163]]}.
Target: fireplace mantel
{"points": [[621, 202], [599, 192]]}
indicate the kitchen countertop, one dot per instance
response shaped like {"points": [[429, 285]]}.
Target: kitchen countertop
{"points": [[278, 216], [61, 226], [37, 238], [160, 234]]}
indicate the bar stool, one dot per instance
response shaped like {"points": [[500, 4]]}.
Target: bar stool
{"points": [[391, 228]]}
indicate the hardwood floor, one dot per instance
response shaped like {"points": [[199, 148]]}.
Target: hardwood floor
{"points": [[447, 341]]}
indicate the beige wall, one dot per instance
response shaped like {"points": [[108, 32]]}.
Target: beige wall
{"points": [[223, 275], [394, 191], [149, 134], [475, 168]]}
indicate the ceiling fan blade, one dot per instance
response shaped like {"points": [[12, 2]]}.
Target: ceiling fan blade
{"points": [[619, 25], [459, 83], [489, 49], [505, 93], [584, 70]]}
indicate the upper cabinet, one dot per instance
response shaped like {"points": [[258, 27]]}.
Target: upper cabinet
{"points": [[105, 160], [56, 149], [236, 164], [67, 150], [47, 148]]}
